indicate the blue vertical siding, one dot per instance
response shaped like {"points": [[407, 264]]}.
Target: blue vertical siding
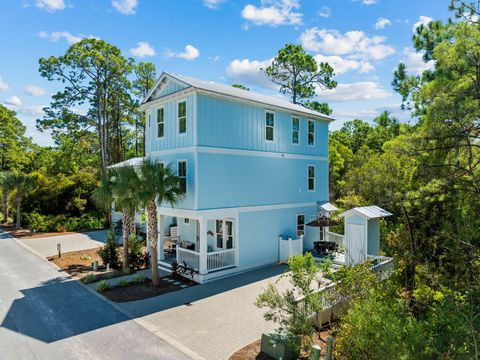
{"points": [[188, 200], [172, 139], [171, 87], [232, 124], [239, 180], [259, 232]]}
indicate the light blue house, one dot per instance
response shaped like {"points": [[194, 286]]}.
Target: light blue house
{"points": [[254, 167]]}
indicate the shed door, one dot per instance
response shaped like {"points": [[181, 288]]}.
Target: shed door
{"points": [[356, 244]]}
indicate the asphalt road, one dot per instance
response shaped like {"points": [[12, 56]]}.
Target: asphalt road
{"points": [[45, 315]]}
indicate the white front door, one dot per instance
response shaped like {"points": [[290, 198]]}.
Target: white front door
{"points": [[356, 251]]}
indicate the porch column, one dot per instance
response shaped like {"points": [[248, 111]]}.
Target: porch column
{"points": [[161, 235], [203, 245]]}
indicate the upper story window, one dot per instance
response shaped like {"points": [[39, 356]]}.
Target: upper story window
{"points": [[295, 130], [182, 174], [311, 177], [161, 122], [182, 117], [311, 133], [269, 126], [300, 224]]}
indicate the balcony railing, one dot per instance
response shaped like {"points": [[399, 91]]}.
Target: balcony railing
{"points": [[190, 257], [216, 260]]}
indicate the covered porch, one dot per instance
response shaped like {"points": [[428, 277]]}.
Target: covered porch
{"points": [[207, 244]]}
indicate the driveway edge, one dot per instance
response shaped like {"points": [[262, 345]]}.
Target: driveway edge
{"points": [[158, 333]]}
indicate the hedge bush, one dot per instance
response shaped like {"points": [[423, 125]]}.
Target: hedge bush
{"points": [[51, 223]]}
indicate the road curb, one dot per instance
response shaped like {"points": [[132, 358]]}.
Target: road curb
{"points": [[146, 325]]}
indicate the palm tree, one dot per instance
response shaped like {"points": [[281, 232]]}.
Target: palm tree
{"points": [[20, 184], [4, 184], [121, 189], [158, 184]]}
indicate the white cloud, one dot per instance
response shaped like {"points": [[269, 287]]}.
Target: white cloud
{"points": [[57, 35], [13, 101], [3, 85], [212, 4], [190, 53], [422, 20], [249, 72], [325, 12], [414, 62], [369, 2], [143, 49], [382, 22], [34, 90], [355, 44], [50, 5], [273, 13], [127, 7], [342, 65], [365, 90]]}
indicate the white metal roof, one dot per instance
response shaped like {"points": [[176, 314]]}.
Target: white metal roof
{"points": [[228, 90], [370, 212], [329, 207], [130, 162]]}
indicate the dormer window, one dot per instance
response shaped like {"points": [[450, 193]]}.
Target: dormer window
{"points": [[182, 117], [269, 126]]}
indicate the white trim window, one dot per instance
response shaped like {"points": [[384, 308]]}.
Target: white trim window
{"points": [[161, 122], [224, 234], [311, 133], [182, 174], [311, 177], [300, 225], [295, 130], [182, 117], [269, 126], [186, 221]]}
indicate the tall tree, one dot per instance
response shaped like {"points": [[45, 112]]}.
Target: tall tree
{"points": [[20, 184], [298, 74], [146, 75], [95, 73], [157, 185]]}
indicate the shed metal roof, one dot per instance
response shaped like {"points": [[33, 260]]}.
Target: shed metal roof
{"points": [[130, 162], [228, 90], [370, 212], [329, 207]]}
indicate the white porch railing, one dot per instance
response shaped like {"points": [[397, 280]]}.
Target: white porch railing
{"points": [[220, 259], [337, 238], [190, 257]]}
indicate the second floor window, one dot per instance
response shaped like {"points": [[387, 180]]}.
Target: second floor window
{"points": [[311, 178], [295, 130], [161, 122], [182, 174], [269, 126], [182, 117], [311, 133]]}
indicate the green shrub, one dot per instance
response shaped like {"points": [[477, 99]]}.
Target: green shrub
{"points": [[139, 279], [49, 223], [136, 256], [109, 275], [103, 286], [123, 282], [108, 253], [89, 278]]}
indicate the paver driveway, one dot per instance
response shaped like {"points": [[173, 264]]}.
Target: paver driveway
{"points": [[44, 315], [213, 320]]}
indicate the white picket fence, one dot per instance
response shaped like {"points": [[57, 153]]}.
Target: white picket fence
{"points": [[289, 247]]}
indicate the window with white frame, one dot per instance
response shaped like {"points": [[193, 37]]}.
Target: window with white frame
{"points": [[186, 221], [182, 117], [269, 125], [300, 224], [224, 234], [182, 174], [295, 130], [311, 177], [161, 122], [311, 133]]}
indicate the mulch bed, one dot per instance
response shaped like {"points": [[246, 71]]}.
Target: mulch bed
{"points": [[138, 291], [252, 351], [77, 263], [27, 233]]}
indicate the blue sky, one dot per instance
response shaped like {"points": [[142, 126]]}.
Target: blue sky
{"points": [[220, 40]]}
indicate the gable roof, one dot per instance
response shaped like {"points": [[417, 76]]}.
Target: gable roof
{"points": [[230, 91], [370, 212]]}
